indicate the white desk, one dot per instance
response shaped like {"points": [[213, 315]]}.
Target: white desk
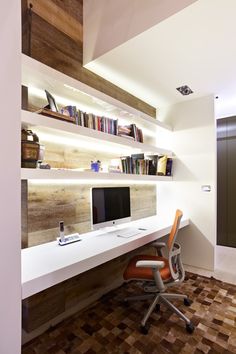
{"points": [[46, 265]]}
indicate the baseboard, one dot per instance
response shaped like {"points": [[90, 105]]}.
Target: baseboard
{"points": [[225, 276], [218, 274], [199, 271]]}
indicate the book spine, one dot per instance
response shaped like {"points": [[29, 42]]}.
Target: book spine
{"points": [[169, 164]]}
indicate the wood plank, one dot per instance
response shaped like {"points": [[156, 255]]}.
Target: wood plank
{"points": [[73, 7], [24, 214], [45, 39], [25, 25], [43, 307], [58, 18]]}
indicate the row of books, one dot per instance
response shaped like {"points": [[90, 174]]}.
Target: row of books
{"points": [[147, 165], [90, 120], [103, 124]]}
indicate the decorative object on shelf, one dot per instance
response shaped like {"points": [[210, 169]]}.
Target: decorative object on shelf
{"points": [[114, 166], [29, 149], [114, 169], [41, 154], [45, 166], [51, 110], [51, 102], [56, 115], [95, 166]]}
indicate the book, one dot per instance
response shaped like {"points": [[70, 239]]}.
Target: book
{"points": [[169, 166], [137, 164], [161, 167], [126, 136], [152, 164]]}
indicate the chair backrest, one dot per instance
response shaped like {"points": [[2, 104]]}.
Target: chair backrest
{"points": [[174, 229], [175, 263]]}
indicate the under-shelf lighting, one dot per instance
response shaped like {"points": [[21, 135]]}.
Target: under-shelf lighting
{"points": [[62, 101], [76, 90], [88, 144], [103, 109], [88, 181]]}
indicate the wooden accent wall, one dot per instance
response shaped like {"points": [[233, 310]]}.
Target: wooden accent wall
{"points": [[52, 34], [48, 204]]}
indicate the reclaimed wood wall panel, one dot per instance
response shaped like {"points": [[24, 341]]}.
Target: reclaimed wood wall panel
{"points": [[59, 17], [42, 307], [62, 156], [52, 43], [24, 214], [48, 204], [53, 47], [73, 8]]}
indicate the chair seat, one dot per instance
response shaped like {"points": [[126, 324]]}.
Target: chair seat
{"points": [[133, 272]]}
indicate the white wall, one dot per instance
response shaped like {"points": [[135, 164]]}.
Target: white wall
{"points": [[109, 23], [194, 144], [10, 265]]}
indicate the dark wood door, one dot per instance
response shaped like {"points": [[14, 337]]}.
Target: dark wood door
{"points": [[226, 182]]}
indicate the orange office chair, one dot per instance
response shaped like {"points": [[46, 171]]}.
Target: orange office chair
{"points": [[160, 272]]}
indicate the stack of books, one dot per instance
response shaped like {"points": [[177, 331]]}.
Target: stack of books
{"points": [[147, 165], [130, 132], [90, 120]]}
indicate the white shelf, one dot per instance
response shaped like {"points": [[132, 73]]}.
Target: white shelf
{"points": [[61, 129], [87, 177], [41, 76]]}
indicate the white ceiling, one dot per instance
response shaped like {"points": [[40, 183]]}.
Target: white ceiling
{"points": [[194, 47]]}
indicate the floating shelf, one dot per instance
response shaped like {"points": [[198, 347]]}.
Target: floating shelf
{"points": [[87, 177], [41, 76], [61, 129]]}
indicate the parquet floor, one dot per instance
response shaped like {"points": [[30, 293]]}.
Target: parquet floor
{"points": [[110, 327]]}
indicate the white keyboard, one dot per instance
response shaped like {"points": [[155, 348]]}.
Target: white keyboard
{"points": [[126, 233]]}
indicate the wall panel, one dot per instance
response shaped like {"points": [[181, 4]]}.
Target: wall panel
{"points": [[45, 37]]}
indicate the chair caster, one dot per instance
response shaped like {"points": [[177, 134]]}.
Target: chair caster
{"points": [[144, 329], [158, 307], [190, 328], [187, 302], [126, 303]]}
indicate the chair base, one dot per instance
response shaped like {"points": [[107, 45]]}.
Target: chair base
{"points": [[159, 298]]}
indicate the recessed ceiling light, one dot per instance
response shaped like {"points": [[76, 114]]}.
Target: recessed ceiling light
{"points": [[184, 90]]}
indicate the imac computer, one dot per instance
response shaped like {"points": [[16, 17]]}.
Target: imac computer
{"points": [[110, 206]]}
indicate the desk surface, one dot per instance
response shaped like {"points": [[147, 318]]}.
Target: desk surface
{"points": [[46, 265]]}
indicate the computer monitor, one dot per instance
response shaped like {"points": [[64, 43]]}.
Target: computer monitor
{"points": [[110, 206]]}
